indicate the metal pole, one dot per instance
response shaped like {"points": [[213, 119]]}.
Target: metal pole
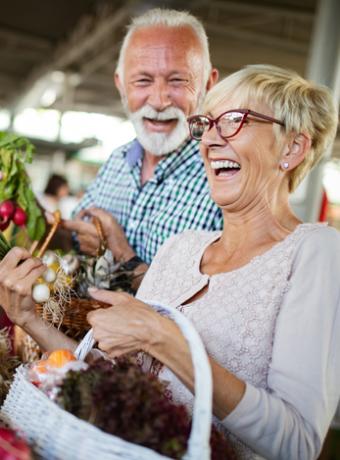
{"points": [[324, 68]]}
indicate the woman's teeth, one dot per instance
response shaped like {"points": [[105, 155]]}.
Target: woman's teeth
{"points": [[224, 164]]}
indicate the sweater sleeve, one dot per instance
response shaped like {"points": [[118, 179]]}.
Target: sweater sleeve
{"points": [[291, 418]]}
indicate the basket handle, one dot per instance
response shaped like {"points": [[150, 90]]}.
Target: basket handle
{"points": [[85, 346], [199, 440]]}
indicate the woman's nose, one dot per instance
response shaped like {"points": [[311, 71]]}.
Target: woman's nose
{"points": [[212, 137]]}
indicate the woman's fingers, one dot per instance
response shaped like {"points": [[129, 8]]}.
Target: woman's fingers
{"points": [[32, 276], [12, 259], [109, 297], [24, 269], [22, 285]]}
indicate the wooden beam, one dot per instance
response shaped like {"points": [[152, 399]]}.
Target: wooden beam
{"points": [[16, 37], [254, 8], [87, 37], [260, 38]]}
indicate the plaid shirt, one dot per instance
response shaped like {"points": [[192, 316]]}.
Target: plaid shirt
{"points": [[175, 199]]}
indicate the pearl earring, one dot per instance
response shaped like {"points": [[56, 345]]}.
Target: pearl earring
{"points": [[285, 165]]}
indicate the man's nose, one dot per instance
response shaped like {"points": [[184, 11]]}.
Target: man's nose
{"points": [[159, 97]]}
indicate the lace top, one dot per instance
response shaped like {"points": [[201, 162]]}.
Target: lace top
{"points": [[237, 317]]}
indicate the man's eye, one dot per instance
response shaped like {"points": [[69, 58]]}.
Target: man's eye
{"points": [[142, 81], [177, 80]]}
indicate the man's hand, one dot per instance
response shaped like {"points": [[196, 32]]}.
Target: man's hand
{"points": [[113, 233], [128, 326], [18, 272], [86, 233]]}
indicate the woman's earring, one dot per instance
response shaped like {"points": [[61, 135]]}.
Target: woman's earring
{"points": [[285, 165]]}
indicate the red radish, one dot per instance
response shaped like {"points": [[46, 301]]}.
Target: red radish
{"points": [[7, 209], [4, 223], [19, 216], [12, 447]]}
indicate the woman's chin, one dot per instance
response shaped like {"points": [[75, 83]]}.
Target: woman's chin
{"points": [[224, 200]]}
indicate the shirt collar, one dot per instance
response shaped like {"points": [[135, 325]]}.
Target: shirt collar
{"points": [[185, 152], [133, 153], [169, 164]]}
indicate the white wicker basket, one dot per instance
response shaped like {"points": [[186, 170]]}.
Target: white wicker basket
{"points": [[58, 435]]}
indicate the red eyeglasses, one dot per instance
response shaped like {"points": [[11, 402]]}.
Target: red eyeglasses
{"points": [[228, 124]]}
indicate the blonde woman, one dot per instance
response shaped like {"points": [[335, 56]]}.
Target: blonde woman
{"points": [[263, 293]]}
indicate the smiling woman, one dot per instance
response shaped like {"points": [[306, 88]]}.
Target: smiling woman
{"points": [[256, 291]]}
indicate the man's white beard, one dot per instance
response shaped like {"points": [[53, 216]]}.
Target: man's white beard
{"points": [[160, 144]]}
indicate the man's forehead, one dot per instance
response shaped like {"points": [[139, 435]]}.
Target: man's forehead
{"points": [[170, 49], [177, 39]]}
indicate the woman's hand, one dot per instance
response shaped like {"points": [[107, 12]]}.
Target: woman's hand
{"points": [[128, 326], [18, 272]]}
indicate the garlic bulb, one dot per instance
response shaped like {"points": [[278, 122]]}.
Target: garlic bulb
{"points": [[49, 258], [40, 293], [49, 275]]}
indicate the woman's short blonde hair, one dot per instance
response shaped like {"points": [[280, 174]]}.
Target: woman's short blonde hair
{"points": [[303, 106]]}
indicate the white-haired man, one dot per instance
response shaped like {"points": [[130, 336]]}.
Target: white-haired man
{"points": [[154, 186]]}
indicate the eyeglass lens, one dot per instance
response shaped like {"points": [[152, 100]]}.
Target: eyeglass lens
{"points": [[227, 125], [198, 126]]}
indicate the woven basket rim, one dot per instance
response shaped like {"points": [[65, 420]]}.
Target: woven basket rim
{"points": [[21, 378]]}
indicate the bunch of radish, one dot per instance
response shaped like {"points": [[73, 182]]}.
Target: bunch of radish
{"points": [[9, 211], [18, 202]]}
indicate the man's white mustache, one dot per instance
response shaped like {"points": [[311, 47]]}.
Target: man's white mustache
{"points": [[170, 113]]}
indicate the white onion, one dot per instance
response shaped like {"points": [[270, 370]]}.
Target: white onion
{"points": [[40, 293], [49, 258], [49, 275]]}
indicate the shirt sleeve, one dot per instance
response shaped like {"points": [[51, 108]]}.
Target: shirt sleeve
{"points": [[291, 418]]}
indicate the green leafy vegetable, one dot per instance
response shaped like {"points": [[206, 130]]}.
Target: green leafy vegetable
{"points": [[4, 246], [15, 184]]}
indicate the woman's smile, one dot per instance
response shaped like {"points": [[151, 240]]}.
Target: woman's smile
{"points": [[224, 168]]}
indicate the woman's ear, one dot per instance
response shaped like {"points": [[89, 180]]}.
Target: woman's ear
{"points": [[296, 151]]}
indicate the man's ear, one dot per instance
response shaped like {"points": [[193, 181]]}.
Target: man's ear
{"points": [[213, 77], [296, 150], [118, 83]]}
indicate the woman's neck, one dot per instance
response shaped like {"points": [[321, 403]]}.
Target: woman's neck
{"points": [[246, 234]]}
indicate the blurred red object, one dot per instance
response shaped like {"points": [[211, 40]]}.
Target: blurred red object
{"points": [[324, 207], [7, 323], [12, 447]]}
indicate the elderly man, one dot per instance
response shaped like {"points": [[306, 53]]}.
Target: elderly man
{"points": [[154, 186]]}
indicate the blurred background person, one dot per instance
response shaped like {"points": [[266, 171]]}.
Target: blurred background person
{"points": [[57, 196]]}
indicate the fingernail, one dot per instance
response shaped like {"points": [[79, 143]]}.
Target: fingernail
{"points": [[92, 289]]}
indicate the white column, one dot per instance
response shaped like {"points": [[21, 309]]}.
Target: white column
{"points": [[323, 67]]}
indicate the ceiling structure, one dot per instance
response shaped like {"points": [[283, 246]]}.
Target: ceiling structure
{"points": [[63, 54]]}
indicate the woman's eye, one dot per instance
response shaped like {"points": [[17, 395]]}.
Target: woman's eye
{"points": [[236, 119]]}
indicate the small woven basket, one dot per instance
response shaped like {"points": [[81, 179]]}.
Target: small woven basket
{"points": [[74, 319], [58, 435], [74, 324]]}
